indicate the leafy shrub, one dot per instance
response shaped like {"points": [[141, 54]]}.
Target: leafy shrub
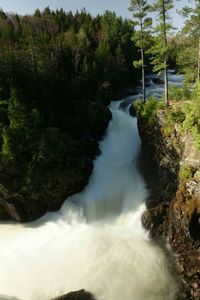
{"points": [[180, 93], [192, 113], [148, 110], [185, 172], [178, 115]]}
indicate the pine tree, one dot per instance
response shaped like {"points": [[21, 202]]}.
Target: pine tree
{"points": [[139, 9], [37, 13], [192, 32], [159, 50]]}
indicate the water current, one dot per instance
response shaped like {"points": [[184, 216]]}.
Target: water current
{"points": [[96, 241]]}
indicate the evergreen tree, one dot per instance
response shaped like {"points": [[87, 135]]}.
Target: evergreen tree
{"points": [[190, 55], [37, 13], [139, 9], [2, 14], [159, 50], [56, 71]]}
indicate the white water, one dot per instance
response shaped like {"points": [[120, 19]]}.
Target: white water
{"points": [[96, 240], [155, 89]]}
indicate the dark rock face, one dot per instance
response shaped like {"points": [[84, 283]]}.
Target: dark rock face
{"points": [[79, 295], [56, 176], [132, 111], [174, 204]]}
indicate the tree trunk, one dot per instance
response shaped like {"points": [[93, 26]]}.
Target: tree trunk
{"points": [[143, 76], [165, 60], [166, 86], [142, 58]]}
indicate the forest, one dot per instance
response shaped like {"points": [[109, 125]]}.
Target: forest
{"points": [[58, 73], [100, 153]]}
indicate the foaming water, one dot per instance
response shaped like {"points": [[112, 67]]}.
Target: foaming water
{"points": [[96, 241]]}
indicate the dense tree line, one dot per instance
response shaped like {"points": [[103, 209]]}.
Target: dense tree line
{"points": [[57, 69], [74, 47], [188, 57]]}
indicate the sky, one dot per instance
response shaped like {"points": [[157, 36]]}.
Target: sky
{"points": [[92, 6]]}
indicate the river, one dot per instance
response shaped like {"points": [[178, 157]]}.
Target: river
{"points": [[96, 241]]}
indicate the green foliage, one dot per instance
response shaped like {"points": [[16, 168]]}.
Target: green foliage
{"points": [[192, 113], [178, 115], [174, 48], [137, 63], [188, 57], [185, 173], [141, 37], [159, 50], [180, 93], [185, 113], [173, 115], [56, 71], [3, 16], [148, 110], [37, 13], [141, 22]]}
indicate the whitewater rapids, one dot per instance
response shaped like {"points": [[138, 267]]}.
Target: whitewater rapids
{"points": [[96, 241]]}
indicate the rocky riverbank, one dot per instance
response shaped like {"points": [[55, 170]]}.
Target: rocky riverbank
{"points": [[172, 168]]}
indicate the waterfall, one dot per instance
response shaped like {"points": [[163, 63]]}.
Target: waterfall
{"points": [[96, 241]]}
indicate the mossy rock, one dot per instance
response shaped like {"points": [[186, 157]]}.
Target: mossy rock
{"points": [[186, 172]]}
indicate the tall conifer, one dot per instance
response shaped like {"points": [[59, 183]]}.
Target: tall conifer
{"points": [[139, 9], [159, 50]]}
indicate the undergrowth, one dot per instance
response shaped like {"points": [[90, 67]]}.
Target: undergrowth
{"points": [[185, 113], [148, 110]]}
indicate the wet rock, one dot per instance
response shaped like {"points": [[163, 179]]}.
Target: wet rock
{"points": [[194, 226], [132, 111], [99, 119]]}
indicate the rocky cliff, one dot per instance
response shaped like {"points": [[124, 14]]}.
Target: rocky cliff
{"points": [[172, 168]]}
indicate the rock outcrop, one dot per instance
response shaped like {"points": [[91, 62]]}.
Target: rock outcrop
{"points": [[172, 168]]}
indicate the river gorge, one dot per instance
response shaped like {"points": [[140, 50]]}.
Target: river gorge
{"points": [[96, 241]]}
